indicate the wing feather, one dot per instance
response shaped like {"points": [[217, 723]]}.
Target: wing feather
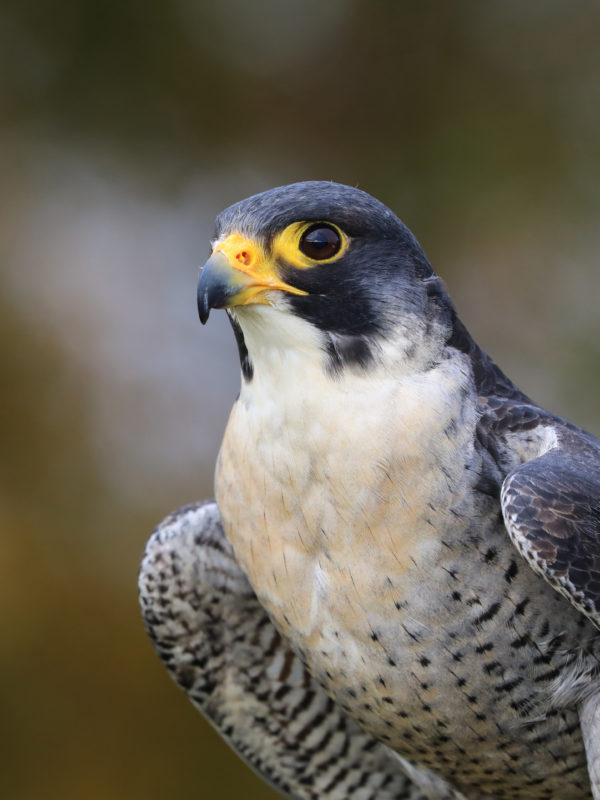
{"points": [[551, 508]]}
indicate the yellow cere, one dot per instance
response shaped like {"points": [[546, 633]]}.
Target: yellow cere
{"points": [[249, 260]]}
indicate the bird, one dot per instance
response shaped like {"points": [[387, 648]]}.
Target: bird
{"points": [[399, 534]]}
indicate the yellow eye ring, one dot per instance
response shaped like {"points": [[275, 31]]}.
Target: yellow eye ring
{"points": [[307, 244]]}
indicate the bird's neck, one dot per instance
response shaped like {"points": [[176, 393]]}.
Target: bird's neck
{"points": [[280, 348], [487, 375]]}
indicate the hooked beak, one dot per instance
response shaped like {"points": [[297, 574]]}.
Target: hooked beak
{"points": [[219, 284], [237, 273]]}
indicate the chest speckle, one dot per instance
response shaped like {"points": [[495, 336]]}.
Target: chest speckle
{"points": [[337, 484], [351, 507]]}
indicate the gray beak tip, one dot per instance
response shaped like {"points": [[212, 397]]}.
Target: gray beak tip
{"points": [[203, 307]]}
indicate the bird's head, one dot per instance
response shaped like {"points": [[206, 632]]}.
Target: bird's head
{"points": [[332, 257]]}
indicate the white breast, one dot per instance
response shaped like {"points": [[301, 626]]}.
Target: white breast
{"points": [[328, 484]]}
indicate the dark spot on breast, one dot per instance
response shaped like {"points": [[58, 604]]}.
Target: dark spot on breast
{"points": [[517, 644], [489, 614], [493, 667], [508, 686], [548, 676], [520, 607], [474, 601]]}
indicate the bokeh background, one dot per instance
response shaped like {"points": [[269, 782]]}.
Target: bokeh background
{"points": [[125, 127]]}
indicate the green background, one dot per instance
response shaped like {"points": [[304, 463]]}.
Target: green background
{"points": [[125, 127]]}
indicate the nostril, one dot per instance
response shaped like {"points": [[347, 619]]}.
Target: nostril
{"points": [[244, 257]]}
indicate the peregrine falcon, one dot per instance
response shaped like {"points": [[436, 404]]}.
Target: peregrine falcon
{"points": [[397, 592]]}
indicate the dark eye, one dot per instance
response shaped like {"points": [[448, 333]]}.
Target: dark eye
{"points": [[320, 242]]}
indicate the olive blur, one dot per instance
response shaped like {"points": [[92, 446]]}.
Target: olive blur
{"points": [[126, 128]]}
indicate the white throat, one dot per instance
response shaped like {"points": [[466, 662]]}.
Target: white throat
{"points": [[283, 347]]}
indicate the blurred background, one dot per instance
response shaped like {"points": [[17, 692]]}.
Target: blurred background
{"points": [[125, 127]]}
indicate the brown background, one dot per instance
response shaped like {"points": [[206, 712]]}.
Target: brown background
{"points": [[125, 127]]}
